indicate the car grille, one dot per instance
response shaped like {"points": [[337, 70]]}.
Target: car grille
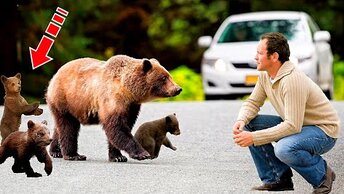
{"points": [[234, 85], [241, 86], [244, 66]]}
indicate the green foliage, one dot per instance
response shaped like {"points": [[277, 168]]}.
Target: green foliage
{"points": [[190, 82], [162, 29], [175, 23], [338, 69]]}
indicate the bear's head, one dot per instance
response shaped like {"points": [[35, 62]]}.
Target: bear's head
{"points": [[150, 80], [11, 84], [38, 133], [172, 124]]}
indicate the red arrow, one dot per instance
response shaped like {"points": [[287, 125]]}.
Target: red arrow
{"points": [[40, 56]]}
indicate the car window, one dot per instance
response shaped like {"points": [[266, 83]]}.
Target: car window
{"points": [[252, 30], [312, 26]]}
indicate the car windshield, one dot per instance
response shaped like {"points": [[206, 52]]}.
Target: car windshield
{"points": [[252, 30]]}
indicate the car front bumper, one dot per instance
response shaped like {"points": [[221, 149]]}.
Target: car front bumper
{"points": [[227, 83]]}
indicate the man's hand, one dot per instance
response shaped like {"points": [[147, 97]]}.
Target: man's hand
{"points": [[244, 139], [238, 127], [241, 137]]}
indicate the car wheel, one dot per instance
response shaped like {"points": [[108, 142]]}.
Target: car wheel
{"points": [[211, 97], [329, 94], [223, 97]]}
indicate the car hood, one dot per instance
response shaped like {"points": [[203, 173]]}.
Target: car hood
{"points": [[301, 50], [245, 52], [234, 52]]}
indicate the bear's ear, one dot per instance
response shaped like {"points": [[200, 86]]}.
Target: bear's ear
{"points": [[30, 124], [3, 79], [147, 65], [155, 60], [44, 122], [168, 119], [18, 75], [174, 114]]}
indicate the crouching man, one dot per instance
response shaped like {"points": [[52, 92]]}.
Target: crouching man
{"points": [[306, 127]]}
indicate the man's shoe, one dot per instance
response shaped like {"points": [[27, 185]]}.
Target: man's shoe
{"points": [[279, 186], [326, 187], [286, 176], [284, 184]]}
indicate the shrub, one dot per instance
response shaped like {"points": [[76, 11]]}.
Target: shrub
{"points": [[338, 69], [191, 83]]}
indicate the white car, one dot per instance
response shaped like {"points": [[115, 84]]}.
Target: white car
{"points": [[228, 65]]}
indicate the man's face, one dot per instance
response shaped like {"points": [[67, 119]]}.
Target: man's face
{"points": [[262, 59]]}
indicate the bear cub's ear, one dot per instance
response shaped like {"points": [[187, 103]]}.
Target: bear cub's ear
{"points": [[3, 79], [30, 124], [147, 65], [18, 75]]}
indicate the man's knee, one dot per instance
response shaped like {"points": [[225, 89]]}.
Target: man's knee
{"points": [[284, 152]]}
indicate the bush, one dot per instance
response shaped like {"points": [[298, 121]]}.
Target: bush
{"points": [[190, 81], [338, 69]]}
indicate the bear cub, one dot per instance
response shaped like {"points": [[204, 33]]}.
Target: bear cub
{"points": [[22, 146], [14, 106], [151, 135]]}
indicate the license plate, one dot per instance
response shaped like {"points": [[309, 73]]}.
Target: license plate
{"points": [[251, 79]]}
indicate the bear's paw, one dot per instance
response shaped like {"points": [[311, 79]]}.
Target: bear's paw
{"points": [[118, 159], [17, 169], [34, 174], [141, 156], [75, 158], [56, 154]]}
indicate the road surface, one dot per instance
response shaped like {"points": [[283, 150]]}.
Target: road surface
{"points": [[206, 159]]}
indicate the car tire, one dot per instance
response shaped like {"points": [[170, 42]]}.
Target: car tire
{"points": [[328, 94], [223, 97]]}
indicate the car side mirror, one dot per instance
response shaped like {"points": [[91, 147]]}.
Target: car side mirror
{"points": [[204, 41], [322, 36]]}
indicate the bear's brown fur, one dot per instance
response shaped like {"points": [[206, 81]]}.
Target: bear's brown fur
{"points": [[22, 146], [90, 91], [151, 135], [14, 106]]}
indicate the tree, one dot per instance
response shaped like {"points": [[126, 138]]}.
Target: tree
{"points": [[9, 18]]}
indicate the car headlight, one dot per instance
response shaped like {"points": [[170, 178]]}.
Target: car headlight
{"points": [[298, 61], [220, 65], [304, 59]]}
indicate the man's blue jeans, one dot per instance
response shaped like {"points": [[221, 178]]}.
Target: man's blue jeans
{"points": [[300, 151]]}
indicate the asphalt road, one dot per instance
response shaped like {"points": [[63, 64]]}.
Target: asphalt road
{"points": [[206, 159]]}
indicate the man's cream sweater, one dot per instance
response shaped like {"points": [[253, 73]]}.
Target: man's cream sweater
{"points": [[297, 100]]}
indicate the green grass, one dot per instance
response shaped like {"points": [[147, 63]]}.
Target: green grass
{"points": [[338, 70], [190, 82]]}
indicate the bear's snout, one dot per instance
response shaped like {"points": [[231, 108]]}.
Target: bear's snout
{"points": [[176, 133], [178, 91]]}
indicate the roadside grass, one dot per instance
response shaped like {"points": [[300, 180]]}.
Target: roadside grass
{"points": [[338, 71]]}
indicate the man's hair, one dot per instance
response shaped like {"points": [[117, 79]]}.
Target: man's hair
{"points": [[276, 42]]}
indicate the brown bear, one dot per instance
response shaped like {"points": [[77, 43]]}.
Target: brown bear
{"points": [[110, 93], [14, 106], [22, 146], [151, 135]]}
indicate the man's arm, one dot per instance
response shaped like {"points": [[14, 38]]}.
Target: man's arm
{"points": [[251, 106]]}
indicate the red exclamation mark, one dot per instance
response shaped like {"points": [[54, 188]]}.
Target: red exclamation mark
{"points": [[40, 56], [62, 11]]}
